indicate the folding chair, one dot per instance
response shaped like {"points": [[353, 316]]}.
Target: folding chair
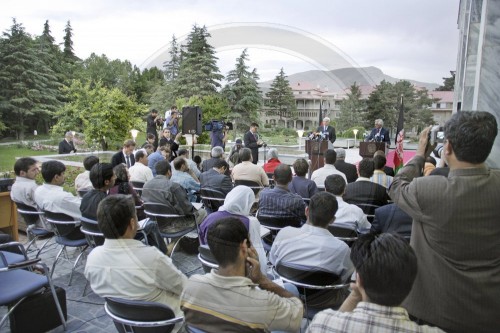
{"points": [[344, 233], [275, 224], [256, 187], [138, 187], [31, 215], [212, 199], [206, 258]]}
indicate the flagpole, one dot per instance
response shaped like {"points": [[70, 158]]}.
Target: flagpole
{"points": [[399, 152]]}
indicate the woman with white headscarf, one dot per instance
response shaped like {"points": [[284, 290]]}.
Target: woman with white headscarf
{"points": [[238, 203], [273, 161]]}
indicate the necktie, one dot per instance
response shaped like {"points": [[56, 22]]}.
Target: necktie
{"points": [[128, 161], [255, 136], [324, 129]]}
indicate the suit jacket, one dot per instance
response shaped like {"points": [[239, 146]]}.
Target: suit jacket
{"points": [[389, 171], [251, 142], [119, 158], [350, 171], [66, 147], [384, 136], [364, 191], [216, 181], [331, 132], [391, 218], [174, 147]]}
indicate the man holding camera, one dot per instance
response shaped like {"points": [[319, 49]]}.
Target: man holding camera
{"points": [[172, 121], [152, 121], [455, 232], [218, 137], [252, 141]]}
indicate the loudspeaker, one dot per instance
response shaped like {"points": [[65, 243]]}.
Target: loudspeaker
{"points": [[191, 120]]}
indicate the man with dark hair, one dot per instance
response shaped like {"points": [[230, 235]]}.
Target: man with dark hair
{"points": [[350, 171], [125, 156], [159, 155], [172, 121], [162, 190], [247, 170], [82, 181], [227, 300], [150, 140], [152, 122], [186, 178], [363, 191], [234, 156], [66, 146], [51, 195], [313, 247], [279, 201], [126, 268], [23, 189], [455, 231], [386, 267], [387, 169], [102, 178], [216, 179], [319, 175], [253, 142], [140, 172], [170, 142], [379, 176], [306, 188], [183, 152], [348, 215]]}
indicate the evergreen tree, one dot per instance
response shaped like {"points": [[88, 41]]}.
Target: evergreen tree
{"points": [[243, 93], [281, 98], [28, 86], [172, 66], [448, 83], [351, 109], [69, 55], [198, 72]]}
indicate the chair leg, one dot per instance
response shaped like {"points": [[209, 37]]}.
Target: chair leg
{"points": [[10, 310], [85, 288], [55, 261], [56, 300], [76, 263], [43, 246]]}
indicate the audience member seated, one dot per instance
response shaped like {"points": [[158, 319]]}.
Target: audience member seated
{"points": [[216, 179], [82, 181], [102, 178], [191, 164], [234, 154], [216, 154], [23, 189], [125, 156], [172, 145], [386, 267], [162, 190], [246, 170], [456, 228], [279, 201], [140, 172], [300, 185], [186, 178], [319, 175], [363, 191], [51, 196], [126, 268], [159, 155], [391, 218], [150, 140], [273, 161], [148, 149], [350, 171], [197, 160], [238, 203], [227, 300], [313, 247], [379, 176], [347, 215], [387, 169], [123, 186]]}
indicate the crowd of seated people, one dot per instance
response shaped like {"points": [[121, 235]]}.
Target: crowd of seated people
{"points": [[446, 280]]}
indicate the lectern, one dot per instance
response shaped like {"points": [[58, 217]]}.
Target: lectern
{"points": [[315, 150], [367, 149]]}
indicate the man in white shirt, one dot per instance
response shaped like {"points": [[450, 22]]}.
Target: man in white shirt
{"points": [[347, 215], [140, 172], [319, 176], [23, 189], [82, 181]]}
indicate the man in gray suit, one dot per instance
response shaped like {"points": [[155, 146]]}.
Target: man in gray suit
{"points": [[455, 232], [216, 179]]}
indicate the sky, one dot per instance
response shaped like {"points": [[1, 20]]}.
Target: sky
{"points": [[406, 39]]}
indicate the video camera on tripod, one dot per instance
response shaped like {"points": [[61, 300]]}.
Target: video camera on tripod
{"points": [[218, 125]]}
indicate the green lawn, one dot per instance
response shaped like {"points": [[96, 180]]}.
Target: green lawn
{"points": [[8, 156]]}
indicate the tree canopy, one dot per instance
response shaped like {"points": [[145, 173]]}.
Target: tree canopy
{"points": [[281, 98]]}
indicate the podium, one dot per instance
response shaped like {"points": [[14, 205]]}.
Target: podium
{"points": [[367, 149], [315, 150]]}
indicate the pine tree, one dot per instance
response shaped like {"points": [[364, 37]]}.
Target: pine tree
{"points": [[198, 72], [242, 91], [172, 66], [281, 97], [351, 109], [69, 55]]}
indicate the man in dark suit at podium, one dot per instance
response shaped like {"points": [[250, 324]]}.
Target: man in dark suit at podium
{"points": [[252, 141], [379, 133], [327, 130], [66, 146]]}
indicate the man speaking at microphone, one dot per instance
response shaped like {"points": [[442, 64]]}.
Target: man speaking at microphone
{"points": [[379, 134], [327, 131], [252, 141]]}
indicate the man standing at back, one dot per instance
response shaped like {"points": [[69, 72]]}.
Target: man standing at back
{"points": [[253, 142], [125, 155], [455, 233]]}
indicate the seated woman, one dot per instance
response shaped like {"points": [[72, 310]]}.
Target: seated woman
{"points": [[273, 161], [238, 203], [123, 186]]}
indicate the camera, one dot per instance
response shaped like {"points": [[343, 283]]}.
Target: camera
{"points": [[217, 125], [436, 135]]}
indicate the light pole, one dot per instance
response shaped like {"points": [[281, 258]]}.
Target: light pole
{"points": [[190, 141], [355, 131], [300, 132], [134, 133]]}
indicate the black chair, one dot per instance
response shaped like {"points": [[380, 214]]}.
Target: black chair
{"points": [[309, 282], [83, 191], [206, 258], [275, 224], [31, 216], [163, 216], [68, 234], [137, 187], [212, 199], [270, 175], [92, 232], [141, 316], [368, 209], [256, 187], [344, 233], [17, 283]]}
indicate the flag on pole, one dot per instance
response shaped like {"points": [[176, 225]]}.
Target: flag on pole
{"points": [[400, 135], [320, 119]]}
